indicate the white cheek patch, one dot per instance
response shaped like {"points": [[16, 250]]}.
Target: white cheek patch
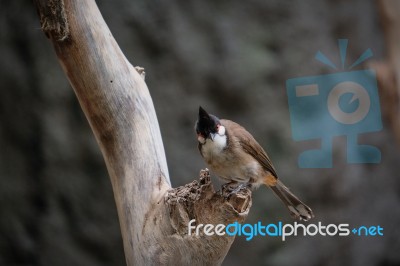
{"points": [[219, 142], [221, 130], [201, 139]]}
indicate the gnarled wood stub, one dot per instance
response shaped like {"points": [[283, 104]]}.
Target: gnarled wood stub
{"points": [[117, 104]]}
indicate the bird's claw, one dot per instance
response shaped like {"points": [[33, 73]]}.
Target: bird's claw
{"points": [[234, 190]]}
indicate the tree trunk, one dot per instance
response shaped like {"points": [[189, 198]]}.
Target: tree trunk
{"points": [[117, 104]]}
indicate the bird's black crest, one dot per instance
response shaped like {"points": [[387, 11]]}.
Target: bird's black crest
{"points": [[206, 123]]}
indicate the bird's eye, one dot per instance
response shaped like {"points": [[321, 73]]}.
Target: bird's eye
{"points": [[217, 127]]}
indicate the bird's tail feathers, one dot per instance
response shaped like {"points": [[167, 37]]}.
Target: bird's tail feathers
{"points": [[297, 208]]}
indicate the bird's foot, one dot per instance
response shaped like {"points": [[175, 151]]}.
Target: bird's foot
{"points": [[234, 189], [229, 186]]}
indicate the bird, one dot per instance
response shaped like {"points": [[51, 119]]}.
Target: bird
{"points": [[233, 154]]}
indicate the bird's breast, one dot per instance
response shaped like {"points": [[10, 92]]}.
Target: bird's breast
{"points": [[227, 163]]}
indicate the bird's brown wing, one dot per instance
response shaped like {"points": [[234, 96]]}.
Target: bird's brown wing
{"points": [[251, 146]]}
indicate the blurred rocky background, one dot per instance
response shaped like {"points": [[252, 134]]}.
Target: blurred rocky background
{"points": [[231, 57]]}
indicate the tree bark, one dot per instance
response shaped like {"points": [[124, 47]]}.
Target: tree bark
{"points": [[117, 104]]}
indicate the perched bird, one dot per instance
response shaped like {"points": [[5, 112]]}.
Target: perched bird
{"points": [[232, 153]]}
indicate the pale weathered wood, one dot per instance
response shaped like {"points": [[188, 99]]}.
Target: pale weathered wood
{"points": [[115, 99]]}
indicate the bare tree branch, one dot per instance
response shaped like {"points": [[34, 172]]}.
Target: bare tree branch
{"points": [[115, 99]]}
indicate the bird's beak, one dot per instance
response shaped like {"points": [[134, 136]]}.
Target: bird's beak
{"points": [[212, 136]]}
